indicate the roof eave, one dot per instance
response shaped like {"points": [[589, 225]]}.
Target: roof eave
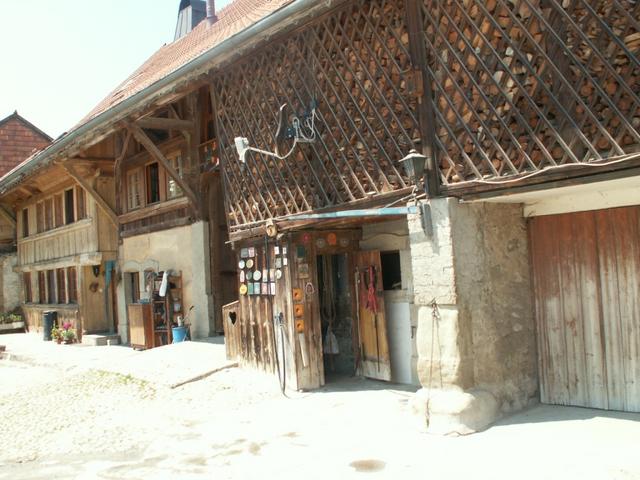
{"points": [[233, 46]]}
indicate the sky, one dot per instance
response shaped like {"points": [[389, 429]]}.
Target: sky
{"points": [[59, 58]]}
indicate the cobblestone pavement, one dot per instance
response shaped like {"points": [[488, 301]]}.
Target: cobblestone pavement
{"points": [[74, 423]]}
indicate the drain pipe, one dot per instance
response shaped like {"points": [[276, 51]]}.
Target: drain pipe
{"points": [[211, 12]]}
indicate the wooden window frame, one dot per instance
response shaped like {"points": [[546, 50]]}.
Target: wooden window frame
{"points": [[150, 199], [48, 214], [80, 200], [40, 217], [42, 287], [175, 160], [25, 222], [72, 285], [51, 287], [28, 292], [58, 210], [69, 206], [61, 286], [139, 187]]}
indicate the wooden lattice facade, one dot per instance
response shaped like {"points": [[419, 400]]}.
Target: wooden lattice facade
{"points": [[489, 90]]}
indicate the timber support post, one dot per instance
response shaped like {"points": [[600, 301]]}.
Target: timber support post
{"points": [[424, 96]]}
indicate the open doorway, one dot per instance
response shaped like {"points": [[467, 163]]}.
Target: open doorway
{"points": [[335, 281]]}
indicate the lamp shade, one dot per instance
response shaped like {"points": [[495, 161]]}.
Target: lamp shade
{"points": [[413, 165]]}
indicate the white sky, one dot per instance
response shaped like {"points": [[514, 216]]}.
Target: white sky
{"points": [[59, 58]]}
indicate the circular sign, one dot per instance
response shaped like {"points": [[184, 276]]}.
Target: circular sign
{"points": [[243, 289], [241, 264], [321, 242], [257, 275], [249, 263], [278, 274], [344, 242]]}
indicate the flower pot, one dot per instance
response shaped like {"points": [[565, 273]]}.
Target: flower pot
{"points": [[58, 341]]}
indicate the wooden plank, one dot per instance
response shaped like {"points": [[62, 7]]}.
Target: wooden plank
{"points": [[155, 152], [551, 344], [612, 321], [94, 194], [375, 358], [158, 123]]}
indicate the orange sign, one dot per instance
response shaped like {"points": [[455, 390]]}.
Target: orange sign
{"points": [[298, 310]]}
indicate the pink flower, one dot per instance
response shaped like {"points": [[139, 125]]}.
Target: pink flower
{"points": [[66, 325]]}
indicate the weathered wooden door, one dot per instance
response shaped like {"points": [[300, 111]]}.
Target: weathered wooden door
{"points": [[372, 326], [586, 270]]}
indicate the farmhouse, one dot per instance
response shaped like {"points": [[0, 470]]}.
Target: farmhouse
{"points": [[442, 194]]}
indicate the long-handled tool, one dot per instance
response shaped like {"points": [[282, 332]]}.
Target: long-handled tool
{"points": [[372, 306]]}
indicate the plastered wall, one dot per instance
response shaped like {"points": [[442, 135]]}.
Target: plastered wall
{"points": [[183, 249]]}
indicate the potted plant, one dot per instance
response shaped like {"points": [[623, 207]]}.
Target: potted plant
{"points": [[56, 334], [68, 333], [11, 321]]}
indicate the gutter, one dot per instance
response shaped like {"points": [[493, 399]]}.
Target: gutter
{"points": [[206, 61]]}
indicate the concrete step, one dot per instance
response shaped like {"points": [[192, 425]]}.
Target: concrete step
{"points": [[101, 340]]}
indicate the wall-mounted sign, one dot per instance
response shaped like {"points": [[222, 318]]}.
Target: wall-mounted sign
{"points": [[241, 264], [243, 289], [303, 270]]}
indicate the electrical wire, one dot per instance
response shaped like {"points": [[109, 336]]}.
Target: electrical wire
{"points": [[300, 137]]}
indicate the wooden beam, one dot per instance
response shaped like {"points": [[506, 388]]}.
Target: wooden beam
{"points": [[73, 173], [158, 123], [155, 152], [7, 216], [117, 171]]}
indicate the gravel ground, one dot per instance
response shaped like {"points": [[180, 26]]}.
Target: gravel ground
{"points": [[85, 424]]}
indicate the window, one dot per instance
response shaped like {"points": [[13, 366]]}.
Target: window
{"points": [[25, 222], [153, 183], [48, 214], [391, 273], [69, 214], [173, 190], [26, 278], [134, 285], [72, 285], [60, 281], [40, 217], [51, 286], [42, 291], [81, 204], [57, 203], [133, 190]]}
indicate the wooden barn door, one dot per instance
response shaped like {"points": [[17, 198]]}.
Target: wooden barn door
{"points": [[372, 325], [586, 271]]}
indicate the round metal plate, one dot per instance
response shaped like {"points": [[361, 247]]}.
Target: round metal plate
{"points": [[249, 263], [241, 264], [257, 275]]}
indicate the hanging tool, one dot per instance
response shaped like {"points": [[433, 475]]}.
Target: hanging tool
{"points": [[372, 306]]}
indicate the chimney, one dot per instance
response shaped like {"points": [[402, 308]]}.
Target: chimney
{"points": [[190, 14], [211, 12]]}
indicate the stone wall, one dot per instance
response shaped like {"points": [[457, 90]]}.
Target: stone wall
{"points": [[476, 343], [11, 283]]}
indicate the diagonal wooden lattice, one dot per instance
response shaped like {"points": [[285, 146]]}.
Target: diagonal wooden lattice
{"points": [[353, 63], [520, 85]]}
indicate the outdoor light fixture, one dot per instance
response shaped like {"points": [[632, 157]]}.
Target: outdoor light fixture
{"points": [[96, 270], [413, 165], [242, 145]]}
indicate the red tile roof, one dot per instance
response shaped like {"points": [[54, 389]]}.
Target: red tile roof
{"points": [[18, 141], [232, 19]]}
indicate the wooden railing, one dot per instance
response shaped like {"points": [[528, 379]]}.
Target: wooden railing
{"points": [[67, 241]]}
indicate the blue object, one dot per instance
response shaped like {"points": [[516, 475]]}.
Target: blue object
{"points": [[179, 334]]}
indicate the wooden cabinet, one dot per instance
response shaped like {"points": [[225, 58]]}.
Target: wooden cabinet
{"points": [[141, 325]]}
